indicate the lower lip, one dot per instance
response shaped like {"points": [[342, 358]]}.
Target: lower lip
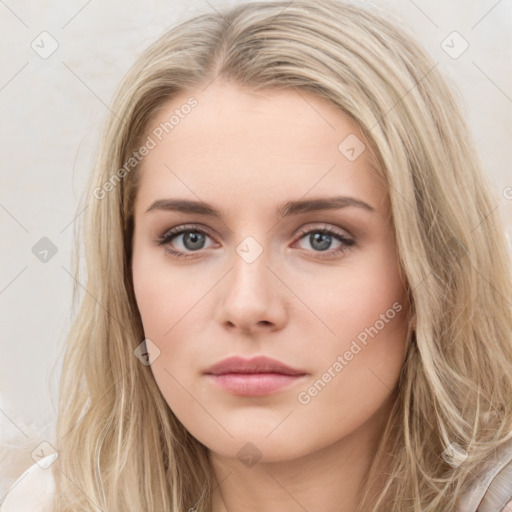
{"points": [[254, 384]]}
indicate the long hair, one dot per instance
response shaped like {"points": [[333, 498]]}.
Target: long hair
{"points": [[120, 446]]}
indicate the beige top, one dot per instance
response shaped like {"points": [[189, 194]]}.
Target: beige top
{"points": [[33, 490], [493, 490]]}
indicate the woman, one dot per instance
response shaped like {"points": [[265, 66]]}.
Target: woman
{"points": [[299, 293]]}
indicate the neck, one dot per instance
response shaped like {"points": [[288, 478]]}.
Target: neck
{"points": [[328, 479]]}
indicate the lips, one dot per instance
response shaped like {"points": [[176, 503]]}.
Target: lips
{"points": [[260, 364], [253, 377]]}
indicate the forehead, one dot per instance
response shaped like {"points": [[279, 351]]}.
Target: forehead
{"points": [[255, 149]]}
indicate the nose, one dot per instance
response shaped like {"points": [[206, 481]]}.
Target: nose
{"points": [[253, 299]]}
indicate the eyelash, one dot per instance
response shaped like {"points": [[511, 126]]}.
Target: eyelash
{"points": [[168, 235]]}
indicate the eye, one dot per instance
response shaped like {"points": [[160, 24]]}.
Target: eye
{"points": [[321, 239], [193, 239]]}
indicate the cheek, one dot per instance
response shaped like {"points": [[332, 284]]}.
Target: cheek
{"points": [[359, 367], [164, 293], [172, 308], [361, 358], [165, 299], [364, 293]]}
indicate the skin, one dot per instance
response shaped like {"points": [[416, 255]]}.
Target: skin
{"points": [[246, 153]]}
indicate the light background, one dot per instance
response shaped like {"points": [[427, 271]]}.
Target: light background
{"points": [[52, 110]]}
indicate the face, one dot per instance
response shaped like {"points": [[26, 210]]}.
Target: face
{"points": [[266, 271]]}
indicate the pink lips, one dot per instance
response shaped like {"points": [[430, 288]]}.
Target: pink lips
{"points": [[253, 377]]}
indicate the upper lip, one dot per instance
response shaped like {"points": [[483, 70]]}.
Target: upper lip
{"points": [[260, 364]]}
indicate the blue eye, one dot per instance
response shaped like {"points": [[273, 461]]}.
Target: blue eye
{"points": [[321, 239], [194, 238]]}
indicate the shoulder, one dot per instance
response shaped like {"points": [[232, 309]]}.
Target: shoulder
{"points": [[492, 492], [33, 490]]}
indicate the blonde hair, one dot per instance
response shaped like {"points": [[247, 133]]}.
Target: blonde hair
{"points": [[127, 451]]}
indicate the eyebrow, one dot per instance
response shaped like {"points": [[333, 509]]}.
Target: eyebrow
{"points": [[284, 210]]}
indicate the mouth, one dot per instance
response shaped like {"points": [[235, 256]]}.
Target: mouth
{"points": [[253, 377]]}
